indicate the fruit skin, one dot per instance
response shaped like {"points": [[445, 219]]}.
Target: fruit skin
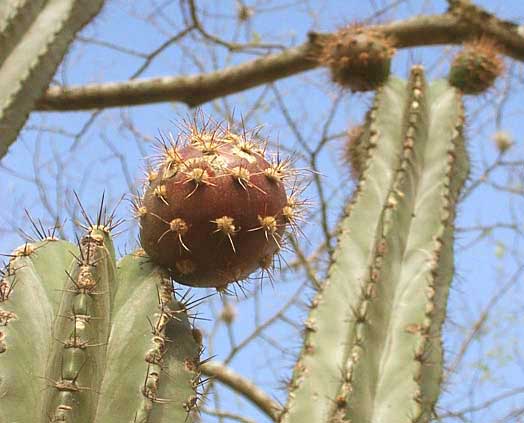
{"points": [[359, 58], [86, 339], [215, 209], [372, 348], [475, 68]]}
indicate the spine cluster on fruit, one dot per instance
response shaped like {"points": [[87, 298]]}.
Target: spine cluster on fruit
{"points": [[372, 349], [359, 58], [216, 206]]}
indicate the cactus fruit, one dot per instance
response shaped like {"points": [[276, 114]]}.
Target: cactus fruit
{"points": [[359, 58], [372, 349], [215, 209], [85, 339], [34, 37], [475, 68]]}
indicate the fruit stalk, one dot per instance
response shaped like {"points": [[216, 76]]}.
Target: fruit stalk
{"points": [[372, 350]]}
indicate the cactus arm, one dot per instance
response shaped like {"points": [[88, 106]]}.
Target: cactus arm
{"points": [[427, 266], [30, 294], [15, 17], [81, 331], [393, 371], [81, 342], [152, 356], [29, 59], [317, 374], [390, 279]]}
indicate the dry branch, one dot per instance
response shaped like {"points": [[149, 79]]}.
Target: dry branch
{"points": [[242, 386], [194, 90]]}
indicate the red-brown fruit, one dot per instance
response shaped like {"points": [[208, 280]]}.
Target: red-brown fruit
{"points": [[213, 211]]}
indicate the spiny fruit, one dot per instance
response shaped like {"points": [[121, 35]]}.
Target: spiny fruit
{"points": [[215, 208], [475, 68], [359, 58]]}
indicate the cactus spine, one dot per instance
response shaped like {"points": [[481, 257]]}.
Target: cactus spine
{"points": [[372, 350], [85, 339], [34, 36]]}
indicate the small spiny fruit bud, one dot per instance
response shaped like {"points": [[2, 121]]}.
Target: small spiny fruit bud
{"points": [[244, 13], [228, 313], [475, 68], [359, 58], [217, 208], [503, 141]]}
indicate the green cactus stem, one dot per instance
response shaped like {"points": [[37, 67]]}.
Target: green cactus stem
{"points": [[372, 351], [85, 339], [34, 36]]}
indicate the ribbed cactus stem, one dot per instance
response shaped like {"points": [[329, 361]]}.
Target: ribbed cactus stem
{"points": [[156, 379], [34, 36], [373, 350], [81, 330], [85, 339], [29, 300]]}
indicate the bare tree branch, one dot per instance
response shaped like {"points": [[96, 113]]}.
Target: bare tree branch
{"points": [[198, 89], [243, 386]]}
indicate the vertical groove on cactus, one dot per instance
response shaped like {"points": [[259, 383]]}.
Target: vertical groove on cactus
{"points": [[372, 351], [34, 36]]}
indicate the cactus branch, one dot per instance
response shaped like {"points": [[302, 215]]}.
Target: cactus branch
{"points": [[34, 36], [372, 350], [84, 338]]}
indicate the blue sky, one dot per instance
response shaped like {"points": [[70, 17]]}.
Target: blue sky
{"points": [[90, 167]]}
